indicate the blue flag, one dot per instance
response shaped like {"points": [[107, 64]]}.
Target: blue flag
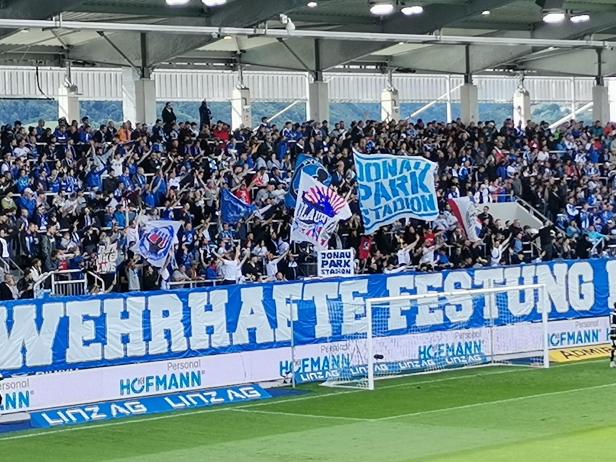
{"points": [[395, 187], [311, 167], [234, 209]]}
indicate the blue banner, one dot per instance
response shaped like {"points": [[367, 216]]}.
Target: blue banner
{"points": [[233, 209], [395, 187], [313, 168], [82, 332], [145, 406]]}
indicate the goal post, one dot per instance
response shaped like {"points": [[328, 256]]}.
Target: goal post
{"points": [[426, 333]]}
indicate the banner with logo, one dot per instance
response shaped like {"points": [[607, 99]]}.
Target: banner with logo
{"points": [[310, 166], [317, 212], [81, 414], [308, 363], [156, 240], [394, 187], [336, 263], [67, 333], [465, 211]]}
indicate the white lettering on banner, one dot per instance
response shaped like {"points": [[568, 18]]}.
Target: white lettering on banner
{"points": [[286, 296], [429, 312], [520, 302], [353, 318], [124, 321], [397, 310], [581, 287], [208, 319], [459, 310], [321, 293], [487, 279], [555, 281], [166, 313], [138, 326], [253, 316], [24, 333], [82, 344]]}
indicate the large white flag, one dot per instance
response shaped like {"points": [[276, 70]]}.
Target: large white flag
{"points": [[395, 187], [317, 213], [156, 240], [465, 211]]}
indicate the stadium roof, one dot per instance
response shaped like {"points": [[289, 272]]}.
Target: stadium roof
{"points": [[104, 47]]}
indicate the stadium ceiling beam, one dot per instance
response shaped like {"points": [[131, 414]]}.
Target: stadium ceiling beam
{"points": [[575, 62], [451, 58], [32, 9], [164, 47], [486, 57], [138, 9], [337, 52]]}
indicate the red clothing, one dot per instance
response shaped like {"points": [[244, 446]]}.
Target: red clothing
{"points": [[243, 195], [365, 247], [222, 134]]}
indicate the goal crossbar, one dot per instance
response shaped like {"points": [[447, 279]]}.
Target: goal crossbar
{"points": [[459, 292]]}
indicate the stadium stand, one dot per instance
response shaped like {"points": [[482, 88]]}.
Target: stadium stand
{"points": [[70, 195]]}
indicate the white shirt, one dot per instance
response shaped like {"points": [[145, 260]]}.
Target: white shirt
{"points": [[21, 152], [229, 270], [5, 248], [428, 256], [134, 283], [271, 267], [496, 256], [403, 257], [116, 167]]}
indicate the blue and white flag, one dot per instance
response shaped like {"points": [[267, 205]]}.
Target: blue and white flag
{"points": [[317, 213], [395, 187], [313, 168], [234, 209], [156, 240]]}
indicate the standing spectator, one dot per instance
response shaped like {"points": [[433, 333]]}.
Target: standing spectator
{"points": [[205, 115], [168, 116], [133, 277]]}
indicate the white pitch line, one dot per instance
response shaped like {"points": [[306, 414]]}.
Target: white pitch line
{"points": [[268, 403], [294, 414], [489, 403]]}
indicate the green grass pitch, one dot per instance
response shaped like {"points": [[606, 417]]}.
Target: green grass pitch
{"points": [[566, 413]]}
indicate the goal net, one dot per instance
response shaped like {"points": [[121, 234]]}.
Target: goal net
{"points": [[393, 337]]}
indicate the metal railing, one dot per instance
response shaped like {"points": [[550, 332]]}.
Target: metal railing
{"points": [[8, 265], [193, 283], [66, 283]]}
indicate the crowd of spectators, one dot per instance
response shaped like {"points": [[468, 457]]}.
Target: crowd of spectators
{"points": [[69, 191]]}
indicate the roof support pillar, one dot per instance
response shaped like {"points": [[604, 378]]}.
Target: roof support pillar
{"points": [[138, 97]]}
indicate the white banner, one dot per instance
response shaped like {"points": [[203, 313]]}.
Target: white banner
{"points": [[45, 391], [106, 258], [336, 263]]}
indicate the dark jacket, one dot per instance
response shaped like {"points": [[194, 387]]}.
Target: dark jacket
{"points": [[168, 116], [5, 292], [205, 115]]}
